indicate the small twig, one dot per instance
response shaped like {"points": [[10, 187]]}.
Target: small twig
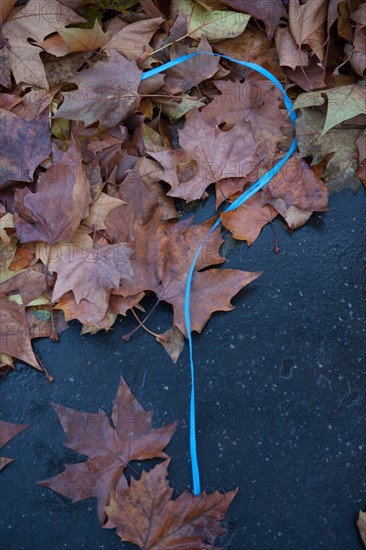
{"points": [[127, 337], [142, 324]]}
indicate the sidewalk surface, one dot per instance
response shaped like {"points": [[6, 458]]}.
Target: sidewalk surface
{"points": [[280, 393]]}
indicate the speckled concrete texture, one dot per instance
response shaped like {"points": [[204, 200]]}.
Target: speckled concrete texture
{"points": [[280, 393]]}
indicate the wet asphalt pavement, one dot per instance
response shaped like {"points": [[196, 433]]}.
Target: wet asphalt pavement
{"points": [[280, 392]]}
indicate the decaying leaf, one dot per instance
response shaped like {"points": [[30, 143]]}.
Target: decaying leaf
{"points": [[361, 524], [109, 447], [107, 92], [14, 338], [246, 222], [24, 145], [145, 514], [54, 212], [34, 21], [207, 155], [342, 166], [161, 263], [308, 24], [344, 102], [92, 273], [7, 432]]}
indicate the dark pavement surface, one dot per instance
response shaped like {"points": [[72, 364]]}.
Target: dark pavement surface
{"points": [[280, 391]]}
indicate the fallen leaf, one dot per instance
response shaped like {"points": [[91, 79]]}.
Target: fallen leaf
{"points": [[145, 514], [109, 447], [290, 54], [35, 20], [30, 283], [269, 12], [361, 524], [7, 432], [343, 103], [24, 145], [48, 214], [185, 76], [341, 168], [257, 102], [215, 25], [92, 273], [143, 200], [246, 222], [133, 40], [14, 337], [308, 24], [252, 45], [207, 155], [107, 92], [164, 253], [99, 210], [173, 342], [298, 185], [84, 40]]}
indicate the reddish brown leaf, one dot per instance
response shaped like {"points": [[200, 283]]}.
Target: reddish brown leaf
{"points": [[145, 514], [298, 185], [61, 201], [92, 273], [24, 145], [143, 200], [258, 102], [247, 221], [107, 92], [361, 524], [33, 21], [161, 263], [7, 432], [133, 40], [109, 447], [14, 337], [268, 12], [184, 76], [308, 24], [207, 155]]}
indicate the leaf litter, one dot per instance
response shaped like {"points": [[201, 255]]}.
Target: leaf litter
{"points": [[100, 170]]}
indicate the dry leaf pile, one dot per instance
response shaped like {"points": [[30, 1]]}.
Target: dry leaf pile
{"points": [[98, 167]]}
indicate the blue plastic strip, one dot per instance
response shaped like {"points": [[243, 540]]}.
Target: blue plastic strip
{"points": [[238, 202]]}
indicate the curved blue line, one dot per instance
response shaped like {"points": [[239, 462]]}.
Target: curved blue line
{"points": [[238, 202]]}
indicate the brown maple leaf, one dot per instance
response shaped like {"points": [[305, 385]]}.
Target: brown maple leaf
{"points": [[143, 200], [107, 92], [185, 76], [268, 12], [14, 337], [7, 432], [298, 185], [33, 21], [92, 273], [207, 155], [133, 40], [258, 102], [164, 253], [109, 447], [49, 214], [247, 221], [308, 24], [145, 514], [24, 145]]}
